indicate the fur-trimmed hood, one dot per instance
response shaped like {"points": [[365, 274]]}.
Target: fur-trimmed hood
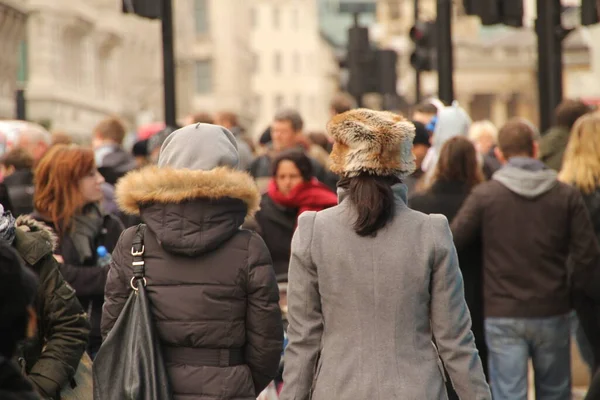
{"points": [[190, 211], [169, 185], [34, 239], [374, 142]]}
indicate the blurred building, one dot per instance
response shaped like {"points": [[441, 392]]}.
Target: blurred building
{"points": [[495, 67], [86, 60], [214, 56], [13, 16], [294, 64]]}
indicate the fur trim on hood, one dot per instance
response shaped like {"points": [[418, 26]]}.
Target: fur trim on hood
{"points": [[375, 142], [29, 224], [169, 185]]}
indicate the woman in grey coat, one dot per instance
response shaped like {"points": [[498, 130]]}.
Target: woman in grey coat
{"points": [[372, 283]]}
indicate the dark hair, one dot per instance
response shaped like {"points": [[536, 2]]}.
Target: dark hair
{"points": [[292, 116], [300, 160], [373, 199], [18, 288], [426, 108], [18, 158], [341, 103], [458, 162], [569, 111], [140, 148], [421, 134], [321, 140], [517, 137]]}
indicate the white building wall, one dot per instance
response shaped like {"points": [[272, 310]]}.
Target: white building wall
{"points": [[87, 60], [290, 68]]}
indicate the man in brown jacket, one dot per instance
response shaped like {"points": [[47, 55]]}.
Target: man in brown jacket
{"points": [[529, 224]]}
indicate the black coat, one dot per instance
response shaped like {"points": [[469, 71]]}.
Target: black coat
{"points": [[446, 198], [13, 385], [20, 190], [276, 225], [588, 309], [86, 278]]}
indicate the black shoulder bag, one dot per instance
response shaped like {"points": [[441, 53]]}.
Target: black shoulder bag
{"points": [[130, 365]]}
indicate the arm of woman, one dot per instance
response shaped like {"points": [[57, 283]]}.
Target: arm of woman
{"points": [[451, 320], [86, 280], [66, 330], [264, 326], [117, 288], [304, 314]]}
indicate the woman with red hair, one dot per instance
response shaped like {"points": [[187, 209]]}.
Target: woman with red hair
{"points": [[67, 196]]}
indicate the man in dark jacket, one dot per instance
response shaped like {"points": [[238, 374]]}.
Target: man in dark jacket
{"points": [[529, 224], [554, 142], [17, 321], [51, 357], [111, 159]]}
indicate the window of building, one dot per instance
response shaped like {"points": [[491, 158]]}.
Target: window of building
{"points": [[201, 16], [297, 63], [276, 17], [278, 102], [295, 22], [255, 63], [277, 62], [203, 76], [253, 17]]}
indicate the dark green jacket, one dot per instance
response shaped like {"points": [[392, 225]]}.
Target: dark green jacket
{"points": [[553, 145], [50, 360]]}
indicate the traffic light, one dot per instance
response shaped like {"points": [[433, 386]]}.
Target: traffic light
{"points": [[144, 8], [386, 71], [360, 62], [590, 10], [423, 36]]}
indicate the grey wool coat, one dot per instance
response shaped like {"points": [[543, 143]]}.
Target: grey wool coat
{"points": [[363, 310]]}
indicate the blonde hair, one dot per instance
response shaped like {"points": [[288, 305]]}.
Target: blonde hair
{"points": [[581, 163], [480, 128]]}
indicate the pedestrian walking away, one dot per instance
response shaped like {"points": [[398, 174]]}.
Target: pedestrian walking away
{"points": [[371, 282]]}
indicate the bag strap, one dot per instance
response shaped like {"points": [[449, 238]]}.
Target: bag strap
{"points": [[137, 251]]}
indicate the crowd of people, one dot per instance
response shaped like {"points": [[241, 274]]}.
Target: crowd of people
{"points": [[427, 257]]}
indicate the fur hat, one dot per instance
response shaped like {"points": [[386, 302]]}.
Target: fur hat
{"points": [[375, 142]]}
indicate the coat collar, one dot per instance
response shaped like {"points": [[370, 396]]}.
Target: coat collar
{"points": [[168, 185], [33, 239], [400, 193]]}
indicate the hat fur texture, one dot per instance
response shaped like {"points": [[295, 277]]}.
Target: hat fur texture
{"points": [[372, 142]]}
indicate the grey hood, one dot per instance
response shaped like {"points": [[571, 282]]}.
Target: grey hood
{"points": [[526, 178]]}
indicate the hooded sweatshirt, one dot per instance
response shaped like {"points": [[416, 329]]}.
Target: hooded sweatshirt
{"points": [[529, 224]]}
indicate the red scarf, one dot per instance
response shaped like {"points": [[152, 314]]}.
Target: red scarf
{"points": [[307, 196]]}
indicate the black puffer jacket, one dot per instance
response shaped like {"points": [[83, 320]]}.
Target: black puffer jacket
{"points": [[51, 358], [20, 190], [588, 307], [210, 283], [85, 276], [14, 386]]}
